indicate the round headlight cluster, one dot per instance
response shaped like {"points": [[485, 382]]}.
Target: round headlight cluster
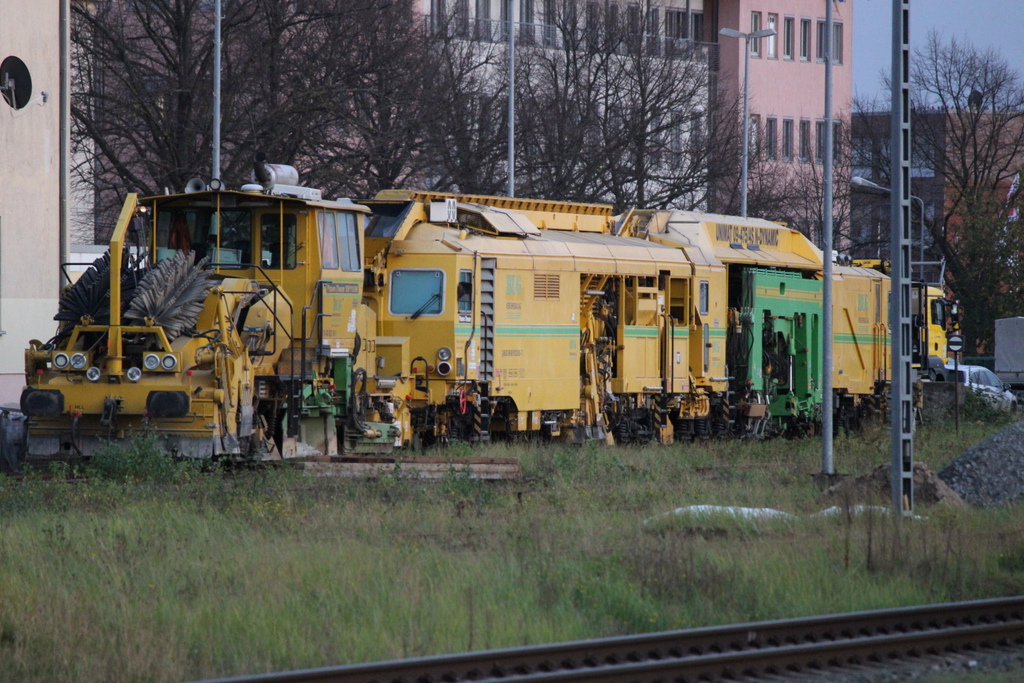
{"points": [[134, 374], [444, 353], [93, 374], [61, 361], [169, 361], [151, 361], [78, 361]]}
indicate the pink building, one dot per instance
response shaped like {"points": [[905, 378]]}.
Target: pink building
{"points": [[787, 72]]}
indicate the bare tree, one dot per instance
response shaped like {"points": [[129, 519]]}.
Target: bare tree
{"points": [[612, 111], [968, 145], [321, 84], [464, 111]]}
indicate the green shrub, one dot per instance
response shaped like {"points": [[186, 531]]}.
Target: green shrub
{"points": [[140, 459]]}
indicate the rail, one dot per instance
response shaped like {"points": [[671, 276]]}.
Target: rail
{"points": [[775, 648]]}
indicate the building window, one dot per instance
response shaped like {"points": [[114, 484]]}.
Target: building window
{"points": [[613, 18], [698, 25], [755, 25], [593, 30], [805, 140], [787, 139], [675, 24], [771, 46], [805, 40], [483, 21], [526, 11], [822, 34], [837, 146], [788, 30], [837, 43], [653, 31], [438, 15], [819, 141], [675, 133], [696, 130], [771, 132], [462, 18], [550, 24], [633, 19], [863, 153]]}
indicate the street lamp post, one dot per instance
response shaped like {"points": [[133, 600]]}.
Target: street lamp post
{"points": [[865, 185], [746, 37], [511, 99]]}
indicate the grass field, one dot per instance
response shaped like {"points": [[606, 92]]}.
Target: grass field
{"points": [[148, 570]]}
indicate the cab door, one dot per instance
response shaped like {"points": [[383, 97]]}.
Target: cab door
{"points": [[283, 241], [341, 277]]}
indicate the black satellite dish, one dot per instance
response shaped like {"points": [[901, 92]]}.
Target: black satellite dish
{"points": [[15, 82]]}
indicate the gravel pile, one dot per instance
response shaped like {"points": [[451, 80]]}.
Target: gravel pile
{"points": [[991, 473]]}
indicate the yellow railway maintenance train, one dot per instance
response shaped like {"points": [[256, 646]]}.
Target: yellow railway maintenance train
{"points": [[270, 323]]}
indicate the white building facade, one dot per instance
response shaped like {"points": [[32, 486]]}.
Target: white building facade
{"points": [[32, 141]]}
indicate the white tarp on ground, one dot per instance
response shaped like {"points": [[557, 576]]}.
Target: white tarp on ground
{"points": [[709, 511]]}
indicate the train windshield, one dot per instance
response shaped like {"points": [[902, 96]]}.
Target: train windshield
{"points": [[416, 292], [228, 238], [196, 229]]}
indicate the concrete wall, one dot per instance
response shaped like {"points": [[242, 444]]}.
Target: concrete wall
{"points": [[30, 148]]}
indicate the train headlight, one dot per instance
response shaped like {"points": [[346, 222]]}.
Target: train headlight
{"points": [[151, 361], [444, 353], [78, 361], [93, 374], [61, 361], [169, 361], [134, 374], [444, 368]]}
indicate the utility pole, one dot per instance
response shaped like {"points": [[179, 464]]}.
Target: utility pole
{"points": [[215, 166], [511, 99], [901, 408], [827, 463]]}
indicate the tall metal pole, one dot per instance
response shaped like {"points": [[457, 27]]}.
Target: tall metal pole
{"points": [[215, 166], [746, 126], [901, 409], [511, 99], [827, 464]]}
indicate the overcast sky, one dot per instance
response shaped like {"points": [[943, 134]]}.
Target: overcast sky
{"points": [[985, 23]]}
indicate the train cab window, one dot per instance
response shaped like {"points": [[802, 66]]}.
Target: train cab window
{"points": [[465, 291], [416, 292], [328, 241], [348, 240], [235, 228], [271, 241], [704, 302], [196, 229]]}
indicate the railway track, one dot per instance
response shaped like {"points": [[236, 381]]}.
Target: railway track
{"points": [[770, 649]]}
